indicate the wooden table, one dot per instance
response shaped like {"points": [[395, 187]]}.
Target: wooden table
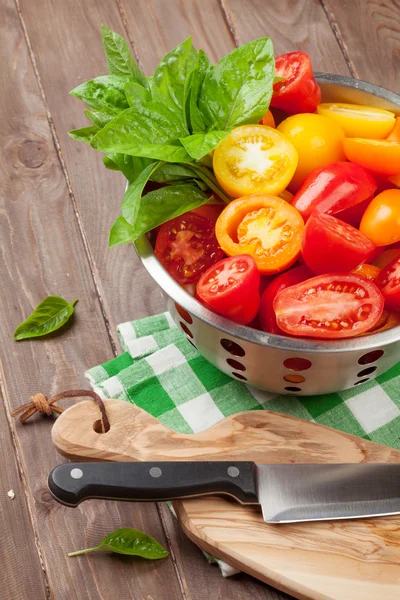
{"points": [[57, 203]]}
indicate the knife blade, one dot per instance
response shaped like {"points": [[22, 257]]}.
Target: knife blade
{"points": [[287, 493]]}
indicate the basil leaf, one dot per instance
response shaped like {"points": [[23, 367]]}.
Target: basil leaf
{"points": [[203, 65], [105, 93], [238, 89], [51, 314], [98, 118], [131, 201], [134, 91], [110, 164], [171, 80], [200, 144], [130, 166], [171, 172], [84, 134], [156, 208], [118, 54], [128, 541]]}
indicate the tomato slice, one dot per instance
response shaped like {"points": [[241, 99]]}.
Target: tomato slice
{"points": [[358, 121], [329, 306], [331, 189], [298, 92], [330, 245], [254, 159], [388, 281], [381, 220], [379, 156], [186, 246], [266, 227], [231, 288], [266, 312]]}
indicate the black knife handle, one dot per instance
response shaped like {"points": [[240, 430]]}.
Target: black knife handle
{"points": [[71, 483]]}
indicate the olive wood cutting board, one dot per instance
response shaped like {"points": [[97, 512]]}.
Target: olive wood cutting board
{"points": [[331, 560]]}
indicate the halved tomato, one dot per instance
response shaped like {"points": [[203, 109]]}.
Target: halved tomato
{"points": [[298, 92], [266, 312], [254, 159], [379, 156], [186, 246], [388, 281], [231, 288], [266, 227], [329, 306], [333, 246], [359, 121]]}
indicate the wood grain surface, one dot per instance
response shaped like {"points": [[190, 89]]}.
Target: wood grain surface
{"points": [[57, 204], [322, 560]]}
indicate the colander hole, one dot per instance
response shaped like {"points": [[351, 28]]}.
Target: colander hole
{"points": [[297, 364], [239, 376], [184, 314], [190, 342], [293, 389], [232, 347], [370, 357], [235, 364], [367, 371], [294, 378], [186, 329], [362, 381]]}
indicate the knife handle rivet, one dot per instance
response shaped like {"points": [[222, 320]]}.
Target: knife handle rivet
{"points": [[76, 473], [155, 472], [233, 471]]}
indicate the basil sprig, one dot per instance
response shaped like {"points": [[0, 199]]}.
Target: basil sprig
{"points": [[163, 128], [128, 541]]}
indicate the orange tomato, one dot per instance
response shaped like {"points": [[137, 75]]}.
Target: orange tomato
{"points": [[379, 156], [381, 220], [370, 272], [254, 159], [357, 120], [264, 226], [395, 179], [317, 139], [268, 119]]}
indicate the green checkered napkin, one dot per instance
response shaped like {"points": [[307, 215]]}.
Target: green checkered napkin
{"points": [[161, 372]]}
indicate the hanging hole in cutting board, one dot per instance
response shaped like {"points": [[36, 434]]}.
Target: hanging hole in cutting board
{"points": [[97, 426]]}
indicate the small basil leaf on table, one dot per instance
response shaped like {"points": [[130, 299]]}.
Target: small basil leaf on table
{"points": [[84, 134], [156, 208], [131, 201], [99, 118], [128, 541], [51, 314], [238, 89], [119, 58], [104, 94], [203, 65], [200, 144]]}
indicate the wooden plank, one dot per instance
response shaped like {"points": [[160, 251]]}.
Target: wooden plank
{"points": [[43, 253], [369, 32], [300, 25]]}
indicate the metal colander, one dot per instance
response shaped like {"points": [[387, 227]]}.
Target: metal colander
{"points": [[271, 362]]}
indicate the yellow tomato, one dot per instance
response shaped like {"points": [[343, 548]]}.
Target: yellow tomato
{"points": [[285, 195], [359, 121], [394, 135], [317, 139], [254, 159], [381, 220], [379, 156]]}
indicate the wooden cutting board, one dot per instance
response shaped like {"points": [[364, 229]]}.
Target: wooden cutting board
{"points": [[332, 560]]}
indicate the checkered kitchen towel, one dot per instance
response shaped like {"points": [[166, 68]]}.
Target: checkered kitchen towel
{"points": [[161, 372]]}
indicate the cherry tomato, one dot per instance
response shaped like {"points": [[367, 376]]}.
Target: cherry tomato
{"points": [[231, 288], [266, 227], [381, 220], [298, 92], [186, 246], [332, 246], [371, 272], [329, 306], [359, 121], [354, 214], [266, 313], [394, 135], [395, 179], [268, 119], [379, 156], [254, 159], [333, 188], [285, 195], [318, 141], [386, 257], [388, 281], [209, 210]]}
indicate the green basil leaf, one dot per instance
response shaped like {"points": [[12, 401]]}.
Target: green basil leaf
{"points": [[203, 66], [128, 541], [134, 91], [105, 93], [200, 144], [168, 172], [118, 54], [110, 164], [84, 134], [156, 208], [238, 89], [130, 166], [98, 118], [171, 80], [131, 201], [51, 314]]}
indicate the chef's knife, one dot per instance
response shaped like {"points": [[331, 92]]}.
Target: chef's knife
{"points": [[286, 493]]}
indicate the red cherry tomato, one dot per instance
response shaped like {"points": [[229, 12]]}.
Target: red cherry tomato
{"points": [[329, 306], [354, 214], [211, 211], [332, 246], [298, 92], [331, 189], [186, 246], [388, 281], [266, 313], [231, 288]]}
